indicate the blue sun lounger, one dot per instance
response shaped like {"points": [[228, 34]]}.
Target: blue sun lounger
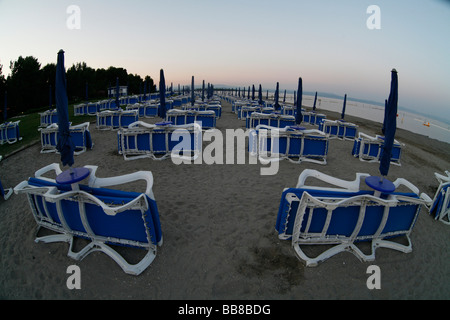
{"points": [[9, 132], [48, 117], [145, 110], [111, 120], [440, 207], [369, 149], [5, 193], [272, 120], [106, 217], [182, 117], [313, 117], [292, 143], [80, 134], [343, 215], [160, 141], [339, 129]]}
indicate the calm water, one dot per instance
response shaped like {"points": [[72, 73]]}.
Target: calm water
{"points": [[406, 120]]}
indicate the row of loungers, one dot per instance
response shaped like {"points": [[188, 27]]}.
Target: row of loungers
{"points": [[341, 216]]}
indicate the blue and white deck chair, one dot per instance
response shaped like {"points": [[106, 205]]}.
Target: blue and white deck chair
{"points": [[216, 107], [80, 109], [339, 129], [182, 117], [440, 208], [9, 132], [106, 217], [160, 141], [145, 109], [313, 117], [80, 134], [292, 143], [48, 117], [111, 120], [273, 120], [369, 149], [288, 110], [5, 193], [245, 111], [343, 215]]}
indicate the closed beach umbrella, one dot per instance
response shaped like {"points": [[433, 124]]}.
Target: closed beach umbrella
{"points": [[248, 93], [162, 95], [277, 106], [260, 99], [203, 90], [65, 145], [295, 98], [192, 92], [284, 97], [5, 112], [298, 115], [391, 125], [383, 129], [315, 99], [343, 107], [253, 92]]}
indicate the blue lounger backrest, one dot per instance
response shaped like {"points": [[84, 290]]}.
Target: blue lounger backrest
{"points": [[344, 219], [124, 225]]}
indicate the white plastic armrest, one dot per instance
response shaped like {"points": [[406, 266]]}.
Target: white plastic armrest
{"points": [[427, 199], [96, 182], [51, 167], [406, 183], [349, 185]]}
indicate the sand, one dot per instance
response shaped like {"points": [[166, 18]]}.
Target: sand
{"points": [[218, 224]]}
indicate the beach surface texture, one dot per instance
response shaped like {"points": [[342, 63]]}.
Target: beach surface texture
{"points": [[218, 224]]}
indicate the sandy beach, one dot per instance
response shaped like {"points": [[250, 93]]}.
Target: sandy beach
{"points": [[218, 224]]}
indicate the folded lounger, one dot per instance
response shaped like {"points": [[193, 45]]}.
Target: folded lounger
{"points": [[272, 120], [368, 148], [344, 215], [293, 143], [339, 129], [80, 134], [48, 117], [440, 206], [312, 117], [103, 216], [9, 132], [5, 193], [181, 117], [160, 141], [107, 120], [146, 109]]}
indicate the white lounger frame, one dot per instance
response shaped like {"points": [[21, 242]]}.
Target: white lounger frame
{"points": [[342, 243], [53, 128], [444, 214], [338, 124], [140, 127], [377, 140], [259, 142], [98, 243]]}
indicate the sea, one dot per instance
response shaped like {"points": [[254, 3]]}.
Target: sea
{"points": [[406, 120]]}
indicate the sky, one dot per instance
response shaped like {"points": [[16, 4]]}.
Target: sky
{"points": [[243, 42]]}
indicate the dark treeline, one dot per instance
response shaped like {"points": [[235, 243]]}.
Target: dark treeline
{"points": [[28, 86]]}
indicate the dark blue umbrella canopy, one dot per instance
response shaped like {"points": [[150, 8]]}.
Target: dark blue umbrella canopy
{"points": [[298, 115], [284, 96], [277, 94], [315, 99], [343, 107], [260, 99], [391, 125], [65, 145], [383, 129], [192, 92], [253, 92], [162, 95], [5, 106], [203, 90]]}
